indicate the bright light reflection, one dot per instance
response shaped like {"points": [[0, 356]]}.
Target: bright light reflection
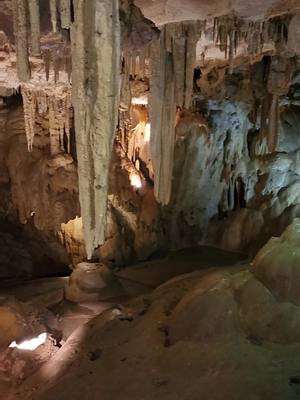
{"points": [[135, 181], [143, 101], [31, 344], [147, 133]]}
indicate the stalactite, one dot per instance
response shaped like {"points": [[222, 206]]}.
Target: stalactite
{"points": [[231, 188], [67, 117], [47, 62], [29, 108], [162, 116], [172, 64], [65, 13], [54, 106], [126, 96], [96, 103], [34, 12], [53, 12], [133, 66], [42, 105], [55, 147], [20, 32], [229, 31], [193, 33], [59, 122], [142, 60], [227, 34], [67, 60], [179, 48], [273, 124], [57, 66]]}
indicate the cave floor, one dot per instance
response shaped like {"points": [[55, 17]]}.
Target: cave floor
{"points": [[182, 330]]}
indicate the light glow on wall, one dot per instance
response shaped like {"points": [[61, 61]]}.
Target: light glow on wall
{"points": [[135, 181], [143, 100], [30, 344], [147, 133]]}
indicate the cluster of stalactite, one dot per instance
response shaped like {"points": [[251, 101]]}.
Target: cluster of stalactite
{"points": [[56, 108], [96, 55], [135, 66], [172, 63], [136, 62], [278, 84], [61, 60], [227, 34], [24, 19], [230, 31]]}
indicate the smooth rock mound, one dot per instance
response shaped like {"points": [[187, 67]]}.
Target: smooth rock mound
{"points": [[92, 282], [277, 265]]}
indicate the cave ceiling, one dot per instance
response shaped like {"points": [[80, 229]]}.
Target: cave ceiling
{"points": [[164, 11]]}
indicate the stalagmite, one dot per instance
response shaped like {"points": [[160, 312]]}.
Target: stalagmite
{"points": [[96, 76], [20, 31], [34, 13], [65, 13]]}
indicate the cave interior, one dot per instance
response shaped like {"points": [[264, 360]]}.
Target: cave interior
{"points": [[149, 199]]}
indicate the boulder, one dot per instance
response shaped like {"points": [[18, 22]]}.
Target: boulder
{"points": [[207, 312], [263, 318], [277, 265]]}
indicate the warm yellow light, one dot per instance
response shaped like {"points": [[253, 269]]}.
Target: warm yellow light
{"points": [[135, 181], [30, 344], [147, 133]]}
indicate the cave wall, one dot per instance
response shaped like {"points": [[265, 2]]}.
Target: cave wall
{"points": [[229, 190], [38, 193]]}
